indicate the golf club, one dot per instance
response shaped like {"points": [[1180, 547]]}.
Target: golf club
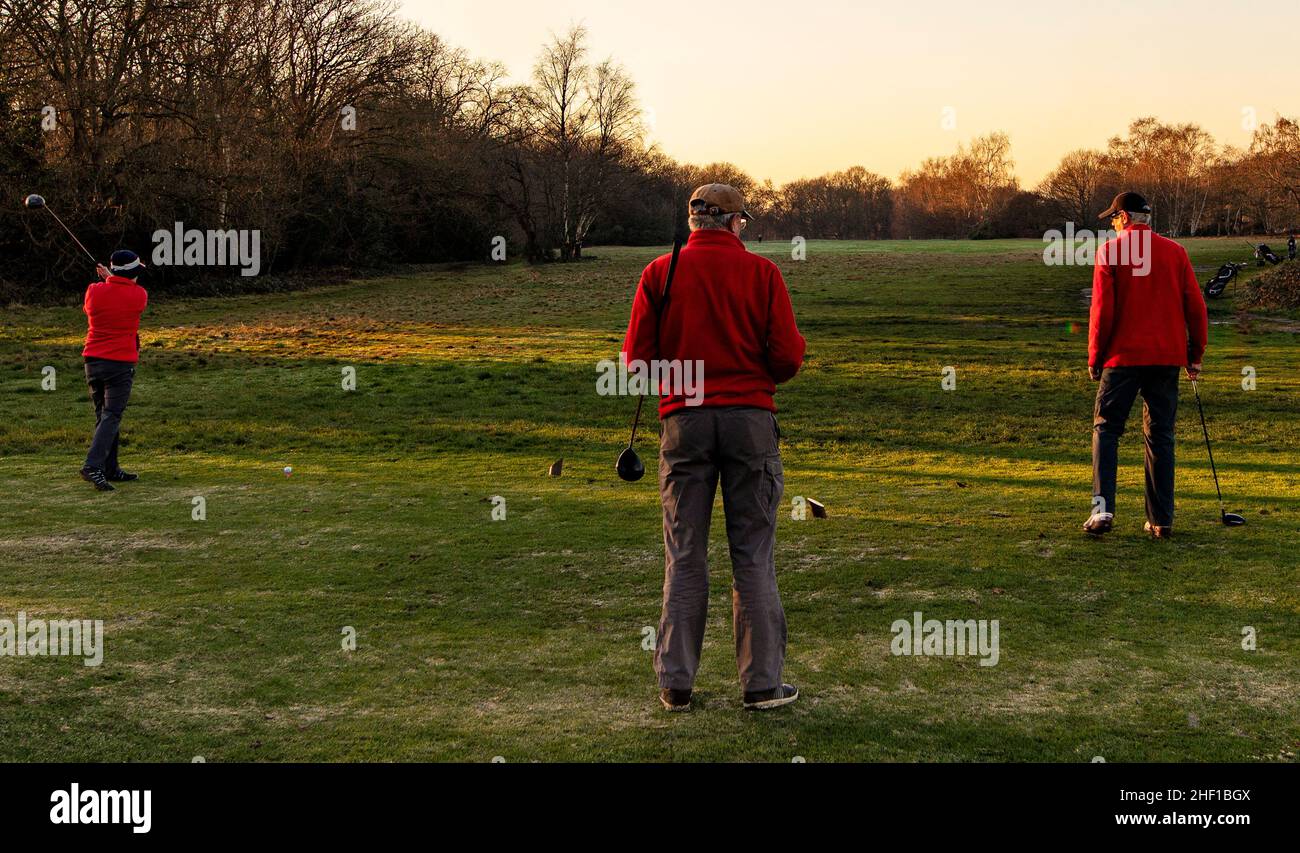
{"points": [[1231, 519], [629, 466], [34, 201]]}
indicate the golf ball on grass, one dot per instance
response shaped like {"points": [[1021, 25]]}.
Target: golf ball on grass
{"points": [[288, 469]]}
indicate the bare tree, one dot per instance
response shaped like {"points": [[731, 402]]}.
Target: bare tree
{"points": [[959, 195], [1274, 164], [1171, 165], [585, 124], [1076, 188]]}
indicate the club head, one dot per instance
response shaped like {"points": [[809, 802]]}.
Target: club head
{"points": [[629, 466], [1231, 519], [34, 201]]}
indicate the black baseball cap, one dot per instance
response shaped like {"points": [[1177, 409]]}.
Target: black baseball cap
{"points": [[1129, 201]]}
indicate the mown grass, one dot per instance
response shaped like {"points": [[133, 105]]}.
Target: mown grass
{"points": [[523, 638]]}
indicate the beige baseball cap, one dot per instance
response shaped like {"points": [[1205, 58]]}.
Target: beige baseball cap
{"points": [[717, 199]]}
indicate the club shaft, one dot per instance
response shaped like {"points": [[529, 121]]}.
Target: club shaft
{"points": [[636, 421], [73, 236], [659, 315], [1206, 432]]}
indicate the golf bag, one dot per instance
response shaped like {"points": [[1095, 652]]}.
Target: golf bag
{"points": [[1264, 253], [1226, 275]]}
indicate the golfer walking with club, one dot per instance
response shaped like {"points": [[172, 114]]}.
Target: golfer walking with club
{"points": [[1147, 321], [113, 307], [730, 312]]}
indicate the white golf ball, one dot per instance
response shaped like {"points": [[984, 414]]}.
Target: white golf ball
{"points": [[288, 469]]}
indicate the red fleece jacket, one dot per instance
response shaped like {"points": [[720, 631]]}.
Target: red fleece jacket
{"points": [[1151, 320], [728, 308], [113, 310]]}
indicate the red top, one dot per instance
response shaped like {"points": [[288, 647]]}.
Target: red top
{"points": [[1152, 320], [113, 309], [728, 308]]}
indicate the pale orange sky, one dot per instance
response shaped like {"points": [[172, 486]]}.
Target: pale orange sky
{"points": [[821, 86]]}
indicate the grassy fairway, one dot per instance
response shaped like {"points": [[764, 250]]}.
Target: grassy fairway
{"points": [[523, 638]]}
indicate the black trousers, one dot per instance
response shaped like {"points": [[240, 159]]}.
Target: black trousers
{"points": [[1119, 387], [110, 390]]}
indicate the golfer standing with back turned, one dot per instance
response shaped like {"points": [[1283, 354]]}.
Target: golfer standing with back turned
{"points": [[1147, 321], [113, 307], [728, 311]]}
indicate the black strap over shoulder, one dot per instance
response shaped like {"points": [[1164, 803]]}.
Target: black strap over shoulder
{"points": [[668, 282], [662, 307]]}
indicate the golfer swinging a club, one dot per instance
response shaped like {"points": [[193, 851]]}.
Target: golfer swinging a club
{"points": [[729, 310], [1147, 320], [113, 307]]}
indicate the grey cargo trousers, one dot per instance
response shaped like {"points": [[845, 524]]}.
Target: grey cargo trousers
{"points": [[697, 446]]}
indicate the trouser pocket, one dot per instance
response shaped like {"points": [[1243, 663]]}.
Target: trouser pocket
{"points": [[773, 483]]}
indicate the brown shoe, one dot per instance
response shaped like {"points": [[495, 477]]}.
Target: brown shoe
{"points": [[1158, 532], [1099, 524], [675, 700]]}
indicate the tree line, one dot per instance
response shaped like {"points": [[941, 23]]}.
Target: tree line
{"points": [[350, 137]]}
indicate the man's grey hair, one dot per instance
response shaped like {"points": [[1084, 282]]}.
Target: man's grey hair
{"points": [[705, 222], [1140, 218]]}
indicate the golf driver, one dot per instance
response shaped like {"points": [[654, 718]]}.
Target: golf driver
{"points": [[1231, 519], [34, 201], [629, 466]]}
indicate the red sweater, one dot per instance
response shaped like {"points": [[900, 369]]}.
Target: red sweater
{"points": [[113, 309], [1151, 320], [728, 308]]}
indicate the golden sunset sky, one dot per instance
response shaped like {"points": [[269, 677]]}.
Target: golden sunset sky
{"points": [[796, 89]]}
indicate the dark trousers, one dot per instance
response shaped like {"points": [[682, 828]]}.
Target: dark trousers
{"points": [[1119, 387], [110, 390], [698, 446]]}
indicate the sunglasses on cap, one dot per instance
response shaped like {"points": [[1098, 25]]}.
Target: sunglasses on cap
{"points": [[701, 208]]}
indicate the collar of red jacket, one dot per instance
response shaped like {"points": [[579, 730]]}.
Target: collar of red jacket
{"points": [[1138, 226], [714, 237], [120, 279]]}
